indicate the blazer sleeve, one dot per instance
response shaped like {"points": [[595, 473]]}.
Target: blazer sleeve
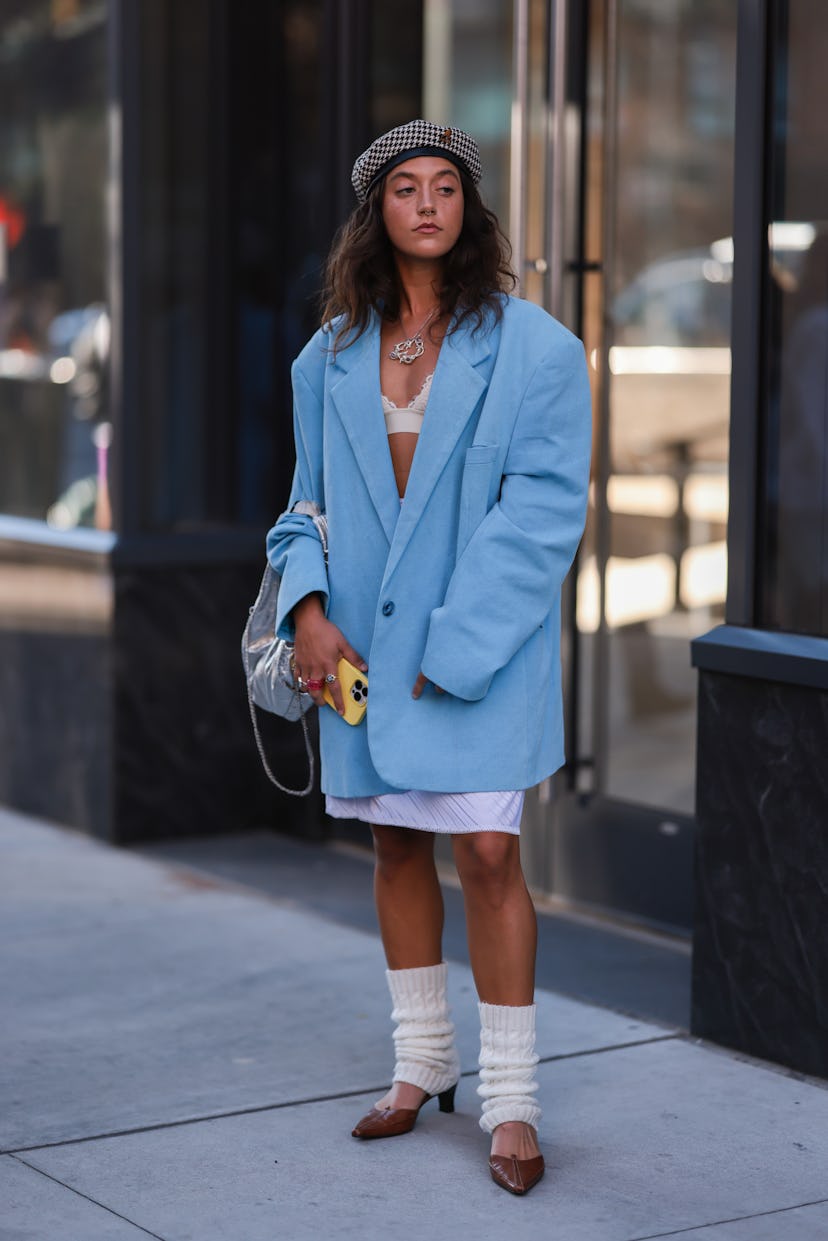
{"points": [[511, 571], [294, 548]]}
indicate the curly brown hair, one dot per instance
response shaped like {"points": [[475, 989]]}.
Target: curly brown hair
{"points": [[361, 275]]}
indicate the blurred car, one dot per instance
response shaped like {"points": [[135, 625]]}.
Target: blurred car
{"points": [[670, 357]]}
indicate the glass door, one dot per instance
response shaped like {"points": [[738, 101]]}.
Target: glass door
{"points": [[548, 229], [606, 129], [658, 157]]}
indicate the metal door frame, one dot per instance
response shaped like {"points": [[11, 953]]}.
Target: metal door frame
{"points": [[587, 848]]}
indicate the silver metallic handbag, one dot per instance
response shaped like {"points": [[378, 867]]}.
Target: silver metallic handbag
{"points": [[268, 660]]}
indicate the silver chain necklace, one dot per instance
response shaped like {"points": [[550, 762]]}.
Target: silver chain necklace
{"points": [[408, 350]]}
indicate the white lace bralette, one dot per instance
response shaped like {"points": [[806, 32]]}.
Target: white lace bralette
{"points": [[410, 416]]}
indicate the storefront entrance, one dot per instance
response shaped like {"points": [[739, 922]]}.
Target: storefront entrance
{"points": [[613, 168]]}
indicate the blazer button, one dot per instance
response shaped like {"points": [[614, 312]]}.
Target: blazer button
{"points": [[388, 607]]}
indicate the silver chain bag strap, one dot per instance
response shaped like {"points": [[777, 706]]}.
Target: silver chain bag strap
{"points": [[268, 660]]}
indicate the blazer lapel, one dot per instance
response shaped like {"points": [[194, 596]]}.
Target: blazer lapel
{"points": [[356, 396], [455, 391]]}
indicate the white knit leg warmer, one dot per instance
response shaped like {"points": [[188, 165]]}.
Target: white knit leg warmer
{"points": [[507, 1065], [424, 1037]]}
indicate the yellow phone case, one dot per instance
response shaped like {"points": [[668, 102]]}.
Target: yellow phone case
{"points": [[354, 685]]}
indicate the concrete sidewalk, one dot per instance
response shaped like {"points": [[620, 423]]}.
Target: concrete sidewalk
{"points": [[183, 1058]]}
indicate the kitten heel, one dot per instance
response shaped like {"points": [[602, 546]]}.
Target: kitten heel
{"points": [[446, 1099]]}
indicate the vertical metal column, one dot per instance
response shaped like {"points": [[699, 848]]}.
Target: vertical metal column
{"points": [[124, 261], [519, 137], [749, 266], [349, 29], [438, 32], [556, 193], [609, 191]]}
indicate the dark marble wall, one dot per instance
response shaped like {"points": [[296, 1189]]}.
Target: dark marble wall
{"points": [[760, 951], [122, 703], [185, 760], [55, 676], [55, 726]]}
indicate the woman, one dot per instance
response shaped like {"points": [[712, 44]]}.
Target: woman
{"points": [[444, 428]]}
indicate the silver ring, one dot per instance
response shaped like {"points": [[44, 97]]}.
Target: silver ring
{"points": [[300, 685], [330, 678]]}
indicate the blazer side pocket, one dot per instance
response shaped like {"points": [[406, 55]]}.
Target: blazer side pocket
{"points": [[476, 491]]}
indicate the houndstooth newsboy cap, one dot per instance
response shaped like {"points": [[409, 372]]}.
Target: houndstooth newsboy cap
{"points": [[407, 142]]}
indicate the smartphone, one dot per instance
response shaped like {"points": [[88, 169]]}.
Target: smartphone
{"points": [[354, 686]]}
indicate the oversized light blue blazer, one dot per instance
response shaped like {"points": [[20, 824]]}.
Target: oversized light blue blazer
{"points": [[463, 581]]}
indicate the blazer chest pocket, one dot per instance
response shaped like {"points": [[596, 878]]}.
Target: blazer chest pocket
{"points": [[478, 490]]}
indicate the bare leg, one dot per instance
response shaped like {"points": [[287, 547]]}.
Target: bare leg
{"points": [[410, 914], [502, 931]]}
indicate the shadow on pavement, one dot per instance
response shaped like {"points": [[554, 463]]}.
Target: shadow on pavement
{"points": [[641, 974]]}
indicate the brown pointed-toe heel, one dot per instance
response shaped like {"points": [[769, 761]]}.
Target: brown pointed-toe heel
{"points": [[516, 1175], [390, 1122]]}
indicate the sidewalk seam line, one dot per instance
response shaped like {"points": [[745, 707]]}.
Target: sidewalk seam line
{"points": [[276, 1107], [598, 1051], [734, 1219], [79, 1192]]}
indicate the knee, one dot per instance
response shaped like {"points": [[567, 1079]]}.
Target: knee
{"points": [[398, 849], [488, 863]]}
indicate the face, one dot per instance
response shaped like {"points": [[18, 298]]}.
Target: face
{"points": [[422, 207]]}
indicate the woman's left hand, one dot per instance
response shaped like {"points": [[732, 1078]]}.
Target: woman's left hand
{"points": [[420, 684]]}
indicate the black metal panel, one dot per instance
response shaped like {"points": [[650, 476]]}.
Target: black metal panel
{"points": [[750, 250], [350, 27], [222, 229], [789, 658]]}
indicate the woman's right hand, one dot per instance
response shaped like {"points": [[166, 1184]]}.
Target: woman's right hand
{"points": [[318, 647]]}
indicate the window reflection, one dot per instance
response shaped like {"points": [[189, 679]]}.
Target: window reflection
{"points": [[54, 324], [669, 300], [467, 79], [799, 569], [243, 143], [795, 561]]}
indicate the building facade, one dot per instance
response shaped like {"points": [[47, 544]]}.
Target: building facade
{"points": [[171, 174]]}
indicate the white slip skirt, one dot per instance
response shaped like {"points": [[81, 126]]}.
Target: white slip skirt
{"points": [[445, 813]]}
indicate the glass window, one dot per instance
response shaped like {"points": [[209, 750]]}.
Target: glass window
{"points": [[180, 198], [241, 129], [653, 567], [282, 208], [54, 326], [395, 65], [467, 80], [233, 222], [794, 567]]}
